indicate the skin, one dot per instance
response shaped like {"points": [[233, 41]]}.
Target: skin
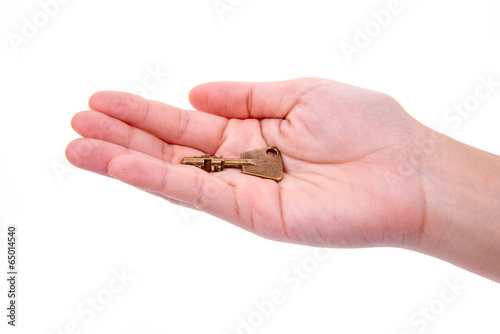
{"points": [[359, 171]]}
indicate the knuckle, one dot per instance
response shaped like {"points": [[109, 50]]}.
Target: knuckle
{"points": [[166, 153], [164, 179], [250, 97], [182, 124], [146, 107], [199, 199]]}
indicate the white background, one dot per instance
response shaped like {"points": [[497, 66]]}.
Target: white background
{"points": [[193, 273]]}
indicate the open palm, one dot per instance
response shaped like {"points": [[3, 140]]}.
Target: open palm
{"points": [[342, 148]]}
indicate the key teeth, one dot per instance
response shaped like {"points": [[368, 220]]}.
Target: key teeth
{"points": [[216, 167]]}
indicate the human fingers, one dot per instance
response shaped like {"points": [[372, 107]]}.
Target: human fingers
{"points": [[96, 125], [173, 125], [224, 195], [94, 155]]}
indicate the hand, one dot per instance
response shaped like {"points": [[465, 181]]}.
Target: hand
{"points": [[341, 148]]}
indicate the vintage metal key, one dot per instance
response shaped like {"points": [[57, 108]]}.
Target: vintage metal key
{"points": [[265, 162]]}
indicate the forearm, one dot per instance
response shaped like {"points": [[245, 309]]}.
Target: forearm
{"points": [[462, 191]]}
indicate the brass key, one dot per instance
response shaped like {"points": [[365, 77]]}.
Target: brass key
{"points": [[265, 162]]}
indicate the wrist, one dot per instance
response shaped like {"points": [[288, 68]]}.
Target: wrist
{"points": [[461, 185]]}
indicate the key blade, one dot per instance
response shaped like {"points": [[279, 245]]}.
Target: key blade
{"points": [[269, 164]]}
